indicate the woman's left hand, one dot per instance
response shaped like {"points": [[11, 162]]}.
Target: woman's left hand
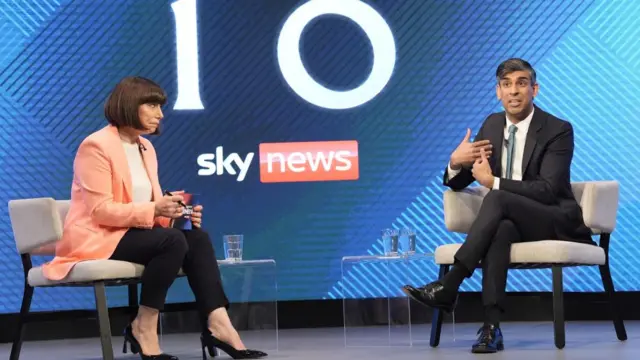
{"points": [[196, 216]]}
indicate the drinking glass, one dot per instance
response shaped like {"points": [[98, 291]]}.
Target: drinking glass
{"points": [[390, 242], [233, 247], [408, 241]]}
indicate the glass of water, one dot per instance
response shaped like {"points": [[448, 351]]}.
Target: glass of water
{"points": [[390, 242], [233, 247], [408, 241]]}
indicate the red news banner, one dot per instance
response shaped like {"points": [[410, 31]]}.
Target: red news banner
{"points": [[309, 161]]}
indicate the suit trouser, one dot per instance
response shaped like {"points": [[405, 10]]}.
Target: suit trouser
{"points": [[504, 218], [163, 251]]}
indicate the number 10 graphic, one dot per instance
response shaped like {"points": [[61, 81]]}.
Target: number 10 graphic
{"points": [[288, 53]]}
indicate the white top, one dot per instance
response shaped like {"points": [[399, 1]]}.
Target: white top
{"points": [[518, 152], [141, 185]]}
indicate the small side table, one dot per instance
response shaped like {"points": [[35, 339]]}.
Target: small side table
{"points": [[252, 289], [376, 311]]}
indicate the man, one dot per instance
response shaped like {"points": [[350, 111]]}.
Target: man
{"points": [[524, 156]]}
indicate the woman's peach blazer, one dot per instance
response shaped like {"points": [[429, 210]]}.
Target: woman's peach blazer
{"points": [[101, 210]]}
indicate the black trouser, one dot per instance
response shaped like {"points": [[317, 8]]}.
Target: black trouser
{"points": [[163, 251], [504, 218]]}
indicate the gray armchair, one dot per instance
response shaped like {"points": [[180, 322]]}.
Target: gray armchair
{"points": [[599, 202], [37, 225]]}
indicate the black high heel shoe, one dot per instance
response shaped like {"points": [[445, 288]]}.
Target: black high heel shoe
{"points": [[211, 343], [135, 347]]}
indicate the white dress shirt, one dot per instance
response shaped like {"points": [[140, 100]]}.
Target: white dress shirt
{"points": [[518, 152], [140, 183]]}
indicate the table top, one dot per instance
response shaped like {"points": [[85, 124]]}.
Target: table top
{"points": [[385, 258], [247, 262]]}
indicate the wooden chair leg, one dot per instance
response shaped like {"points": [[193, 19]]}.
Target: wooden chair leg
{"points": [[103, 320], [558, 307], [436, 318], [16, 347], [607, 283]]}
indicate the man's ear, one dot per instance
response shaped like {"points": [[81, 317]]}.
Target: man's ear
{"points": [[536, 88]]}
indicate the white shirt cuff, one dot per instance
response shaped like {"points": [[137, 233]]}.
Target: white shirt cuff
{"points": [[451, 172], [496, 183]]}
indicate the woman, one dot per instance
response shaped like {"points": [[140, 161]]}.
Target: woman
{"points": [[118, 212]]}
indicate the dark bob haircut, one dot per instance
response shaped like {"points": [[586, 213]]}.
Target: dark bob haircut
{"points": [[121, 107]]}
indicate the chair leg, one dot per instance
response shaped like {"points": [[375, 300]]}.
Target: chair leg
{"points": [[607, 283], [436, 318], [103, 320], [558, 307], [24, 312], [133, 301]]}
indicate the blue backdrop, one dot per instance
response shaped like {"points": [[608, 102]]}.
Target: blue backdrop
{"points": [[60, 59]]}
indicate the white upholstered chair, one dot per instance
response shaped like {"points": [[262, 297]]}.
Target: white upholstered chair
{"points": [[37, 226], [599, 202]]}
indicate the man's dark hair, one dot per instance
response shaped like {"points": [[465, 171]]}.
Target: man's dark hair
{"points": [[513, 65], [121, 107]]}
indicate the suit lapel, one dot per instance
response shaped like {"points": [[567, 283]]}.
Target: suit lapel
{"points": [[532, 138], [496, 137], [120, 162]]}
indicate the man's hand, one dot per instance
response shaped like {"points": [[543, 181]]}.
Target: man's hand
{"points": [[196, 216], [468, 152], [481, 170]]}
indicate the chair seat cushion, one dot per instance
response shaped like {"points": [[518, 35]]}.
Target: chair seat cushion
{"points": [[538, 252], [89, 271]]}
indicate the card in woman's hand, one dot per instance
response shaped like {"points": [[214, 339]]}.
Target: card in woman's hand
{"points": [[184, 222]]}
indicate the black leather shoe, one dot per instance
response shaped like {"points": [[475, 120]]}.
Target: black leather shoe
{"points": [[433, 295], [489, 340]]}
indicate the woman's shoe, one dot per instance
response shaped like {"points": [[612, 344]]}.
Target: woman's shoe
{"points": [[213, 351], [212, 344], [135, 347]]}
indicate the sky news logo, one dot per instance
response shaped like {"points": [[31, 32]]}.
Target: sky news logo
{"points": [[288, 162]]}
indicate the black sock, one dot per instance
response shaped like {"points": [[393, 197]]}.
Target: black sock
{"points": [[454, 277], [492, 315]]}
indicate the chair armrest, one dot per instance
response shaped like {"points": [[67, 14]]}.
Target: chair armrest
{"points": [[35, 223], [461, 207], [599, 202]]}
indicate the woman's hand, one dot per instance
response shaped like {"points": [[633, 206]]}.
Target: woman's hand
{"points": [[196, 216], [168, 206]]}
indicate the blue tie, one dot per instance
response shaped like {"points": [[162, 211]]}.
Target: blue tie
{"points": [[510, 146]]}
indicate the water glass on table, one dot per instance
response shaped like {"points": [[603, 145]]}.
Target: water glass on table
{"points": [[233, 247], [408, 241], [390, 242]]}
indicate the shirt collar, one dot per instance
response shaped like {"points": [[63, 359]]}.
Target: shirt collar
{"points": [[523, 125]]}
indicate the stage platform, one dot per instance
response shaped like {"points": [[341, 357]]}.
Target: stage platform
{"points": [[523, 341]]}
